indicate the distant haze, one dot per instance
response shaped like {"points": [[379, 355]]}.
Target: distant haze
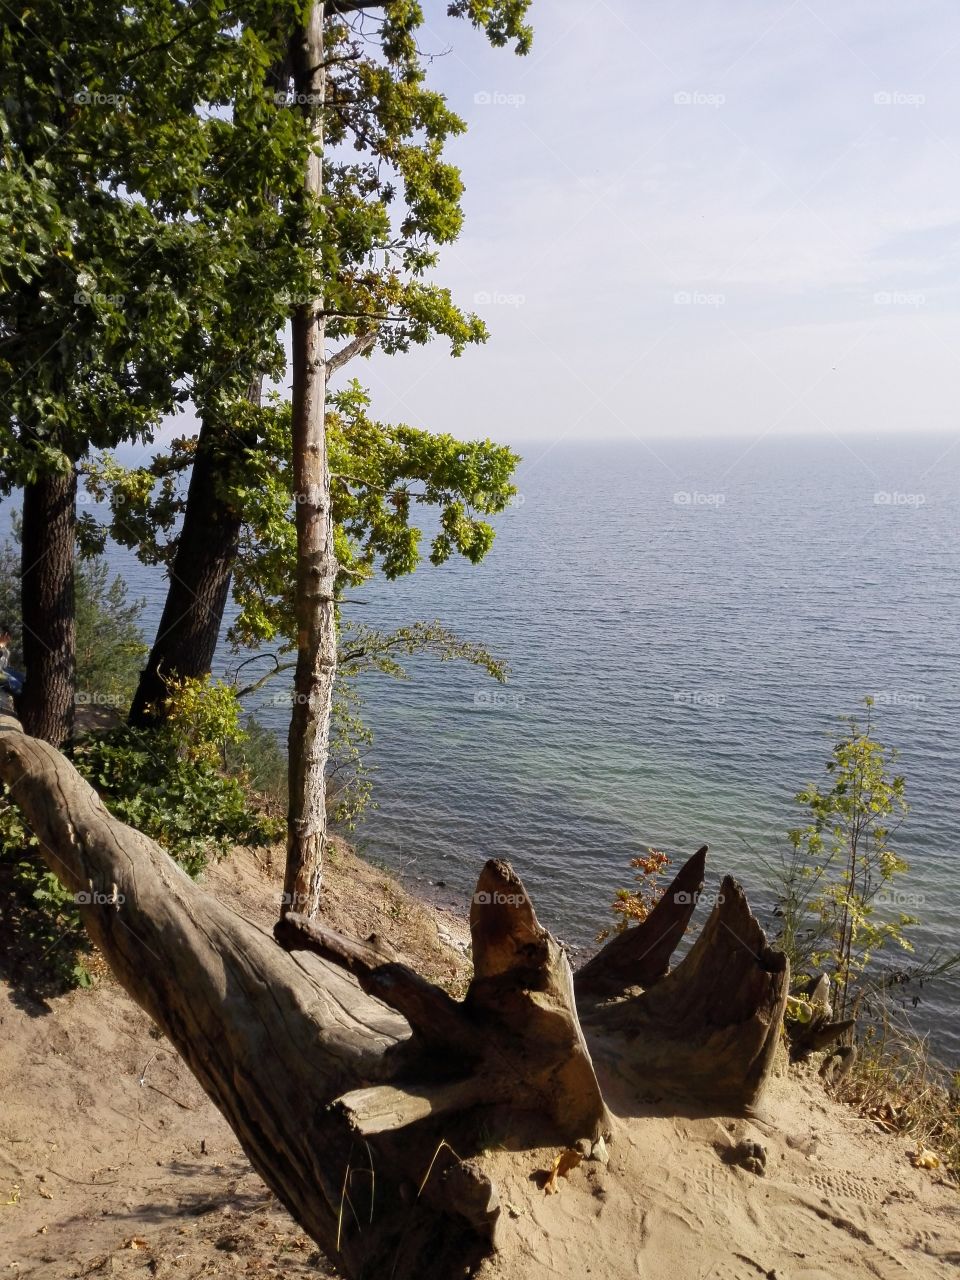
{"points": [[705, 218], [700, 219]]}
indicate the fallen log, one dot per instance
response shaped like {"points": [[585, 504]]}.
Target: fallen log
{"points": [[361, 1092]]}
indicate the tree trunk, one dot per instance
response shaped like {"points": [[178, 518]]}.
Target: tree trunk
{"points": [[47, 593], [316, 560], [351, 1082], [186, 638]]}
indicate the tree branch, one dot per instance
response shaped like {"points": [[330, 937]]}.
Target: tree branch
{"points": [[358, 346]]}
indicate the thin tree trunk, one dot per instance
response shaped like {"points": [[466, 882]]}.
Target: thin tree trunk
{"points": [[316, 561], [47, 592], [186, 638]]}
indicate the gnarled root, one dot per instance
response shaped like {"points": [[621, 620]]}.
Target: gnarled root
{"points": [[707, 1031]]}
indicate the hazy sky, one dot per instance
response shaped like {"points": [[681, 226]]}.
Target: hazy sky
{"points": [[701, 218]]}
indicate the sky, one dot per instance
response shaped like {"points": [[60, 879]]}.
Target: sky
{"points": [[699, 219]]}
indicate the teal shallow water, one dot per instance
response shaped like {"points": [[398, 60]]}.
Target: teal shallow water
{"points": [[684, 622]]}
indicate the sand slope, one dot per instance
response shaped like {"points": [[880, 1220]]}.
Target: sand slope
{"points": [[115, 1163]]}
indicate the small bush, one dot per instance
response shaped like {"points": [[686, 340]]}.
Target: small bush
{"points": [[260, 762], [169, 784]]}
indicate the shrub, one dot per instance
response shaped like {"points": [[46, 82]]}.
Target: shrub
{"points": [[169, 784], [841, 865], [110, 646]]}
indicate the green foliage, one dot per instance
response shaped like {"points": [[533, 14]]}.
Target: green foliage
{"points": [[841, 864], [381, 475], [632, 906], [179, 798], [169, 784], [110, 647], [44, 943], [202, 719], [260, 761]]}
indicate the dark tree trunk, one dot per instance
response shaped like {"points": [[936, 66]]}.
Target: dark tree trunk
{"points": [[47, 588], [186, 639]]}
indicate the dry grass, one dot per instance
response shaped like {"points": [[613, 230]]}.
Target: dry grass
{"points": [[896, 1083]]}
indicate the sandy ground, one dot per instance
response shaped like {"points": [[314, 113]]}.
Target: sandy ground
{"points": [[113, 1162]]}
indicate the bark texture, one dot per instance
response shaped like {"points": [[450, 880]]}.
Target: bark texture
{"points": [[316, 560], [200, 576], [363, 1094], [49, 631]]}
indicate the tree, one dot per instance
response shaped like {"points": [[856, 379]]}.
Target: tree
{"points": [[314, 583], [842, 863], [388, 200], [364, 1095], [109, 273]]}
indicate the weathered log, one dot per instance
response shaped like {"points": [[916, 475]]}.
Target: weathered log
{"points": [[707, 1031], [514, 1038], [349, 1080], [640, 956], [274, 1038]]}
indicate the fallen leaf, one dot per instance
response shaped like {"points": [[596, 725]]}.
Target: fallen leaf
{"points": [[136, 1242], [565, 1161], [924, 1159], [47, 1195]]}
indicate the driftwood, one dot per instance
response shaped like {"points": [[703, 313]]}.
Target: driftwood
{"points": [[351, 1082]]}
